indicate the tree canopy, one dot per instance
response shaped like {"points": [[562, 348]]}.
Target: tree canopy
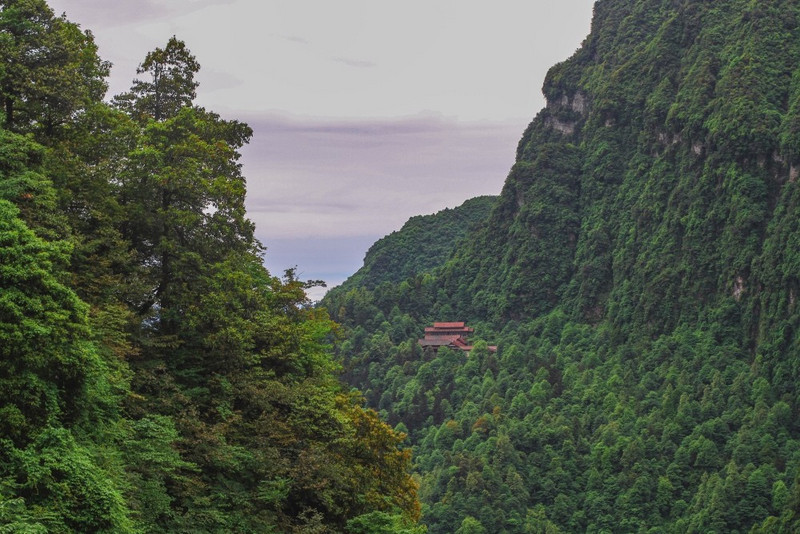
{"points": [[154, 376]]}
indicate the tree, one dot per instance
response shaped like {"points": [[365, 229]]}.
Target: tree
{"points": [[171, 85], [470, 525], [182, 188], [23, 184], [49, 69], [45, 364], [382, 523], [52, 385], [183, 194]]}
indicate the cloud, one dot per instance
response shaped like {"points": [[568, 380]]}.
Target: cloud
{"points": [[322, 178], [474, 60], [108, 13], [295, 39], [215, 80], [354, 62], [322, 191]]}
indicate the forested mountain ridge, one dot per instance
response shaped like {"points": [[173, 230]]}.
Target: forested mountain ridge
{"points": [[422, 244], [639, 273], [154, 377]]}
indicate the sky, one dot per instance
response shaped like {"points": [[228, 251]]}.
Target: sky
{"points": [[365, 112]]}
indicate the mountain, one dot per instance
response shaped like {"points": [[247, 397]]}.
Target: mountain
{"points": [[639, 273], [423, 243]]}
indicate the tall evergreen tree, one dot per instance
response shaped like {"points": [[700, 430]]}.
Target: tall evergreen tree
{"points": [[50, 68], [170, 87]]}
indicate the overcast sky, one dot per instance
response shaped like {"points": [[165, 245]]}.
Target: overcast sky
{"points": [[365, 112]]}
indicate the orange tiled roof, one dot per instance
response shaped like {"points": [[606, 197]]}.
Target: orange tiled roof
{"points": [[449, 325]]}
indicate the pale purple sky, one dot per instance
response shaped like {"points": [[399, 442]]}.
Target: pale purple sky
{"points": [[364, 112]]}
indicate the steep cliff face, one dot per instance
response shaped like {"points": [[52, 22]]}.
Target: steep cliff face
{"points": [[659, 176], [639, 273]]}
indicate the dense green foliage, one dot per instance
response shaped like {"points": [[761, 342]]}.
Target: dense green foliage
{"points": [[639, 273], [423, 243], [154, 377]]}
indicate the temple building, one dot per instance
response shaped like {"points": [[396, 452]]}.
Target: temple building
{"points": [[450, 335]]}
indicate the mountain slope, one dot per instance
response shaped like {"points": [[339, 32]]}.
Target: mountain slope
{"points": [[422, 244], [640, 274]]}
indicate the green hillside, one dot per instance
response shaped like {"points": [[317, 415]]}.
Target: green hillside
{"points": [[639, 273], [422, 244]]}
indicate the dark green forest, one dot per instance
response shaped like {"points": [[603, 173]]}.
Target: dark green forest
{"points": [[154, 377], [639, 273], [422, 244]]}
